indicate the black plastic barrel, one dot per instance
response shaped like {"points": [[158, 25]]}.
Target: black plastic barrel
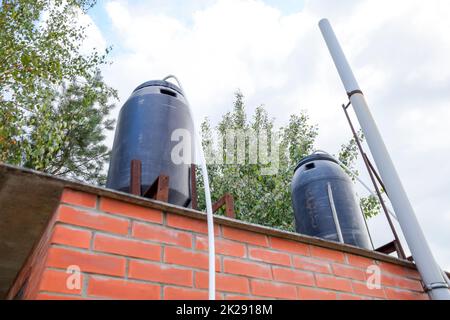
{"points": [[144, 132], [318, 184]]}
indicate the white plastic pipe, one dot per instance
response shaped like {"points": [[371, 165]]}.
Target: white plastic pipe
{"points": [[355, 175], [335, 216], [210, 218], [427, 265], [209, 211]]}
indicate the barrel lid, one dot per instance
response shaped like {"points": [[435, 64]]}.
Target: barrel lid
{"points": [[315, 157], [159, 83]]}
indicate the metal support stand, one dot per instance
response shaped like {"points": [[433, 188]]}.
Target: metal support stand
{"points": [[395, 246], [159, 190], [228, 201], [194, 197], [426, 263], [135, 177]]}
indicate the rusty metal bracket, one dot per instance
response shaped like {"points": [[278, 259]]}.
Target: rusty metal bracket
{"points": [[228, 201], [159, 190], [389, 248], [194, 197], [135, 177], [374, 176]]}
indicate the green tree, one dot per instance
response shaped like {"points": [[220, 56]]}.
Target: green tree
{"points": [[54, 105], [261, 198]]}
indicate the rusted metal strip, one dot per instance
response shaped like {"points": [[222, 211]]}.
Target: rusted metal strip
{"points": [[159, 190], [218, 204], [229, 206], [135, 177], [228, 201], [400, 251], [194, 198]]}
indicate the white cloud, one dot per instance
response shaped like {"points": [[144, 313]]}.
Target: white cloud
{"points": [[94, 39], [399, 51]]}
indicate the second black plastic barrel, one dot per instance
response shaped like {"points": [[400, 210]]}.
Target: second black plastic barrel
{"points": [[314, 176]]}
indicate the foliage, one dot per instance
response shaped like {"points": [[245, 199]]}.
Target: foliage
{"points": [[349, 152], [260, 198], [371, 206], [53, 101]]}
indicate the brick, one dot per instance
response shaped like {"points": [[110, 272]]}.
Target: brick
{"points": [[185, 223], [315, 294], [57, 281], [224, 282], [46, 296], [348, 272], [131, 210], [360, 262], [92, 220], [402, 283], [348, 297], [79, 198], [238, 297], [247, 268], [289, 246], [362, 289], [399, 270], [122, 289], [160, 273], [269, 256], [223, 247], [71, 237], [162, 234], [327, 254], [199, 260], [333, 283], [311, 264], [273, 289], [127, 247], [176, 293], [88, 262], [393, 294], [245, 236], [293, 276]]}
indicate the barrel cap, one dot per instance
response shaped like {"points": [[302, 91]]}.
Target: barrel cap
{"points": [[315, 157], [159, 83]]}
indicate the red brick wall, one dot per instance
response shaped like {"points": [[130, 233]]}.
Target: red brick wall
{"points": [[126, 251]]}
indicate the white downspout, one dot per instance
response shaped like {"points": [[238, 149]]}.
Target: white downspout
{"points": [[428, 268]]}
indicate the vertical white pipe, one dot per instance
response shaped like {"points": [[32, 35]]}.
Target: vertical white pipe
{"points": [[428, 268], [334, 213], [209, 210]]}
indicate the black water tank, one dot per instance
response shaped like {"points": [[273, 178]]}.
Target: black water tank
{"points": [[314, 178], [144, 132]]}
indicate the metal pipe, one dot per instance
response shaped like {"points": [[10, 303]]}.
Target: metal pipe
{"points": [[431, 273], [335, 216]]}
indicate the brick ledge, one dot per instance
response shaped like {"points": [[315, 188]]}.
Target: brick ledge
{"points": [[125, 197]]}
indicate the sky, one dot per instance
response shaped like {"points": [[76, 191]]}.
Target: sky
{"points": [[273, 52]]}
